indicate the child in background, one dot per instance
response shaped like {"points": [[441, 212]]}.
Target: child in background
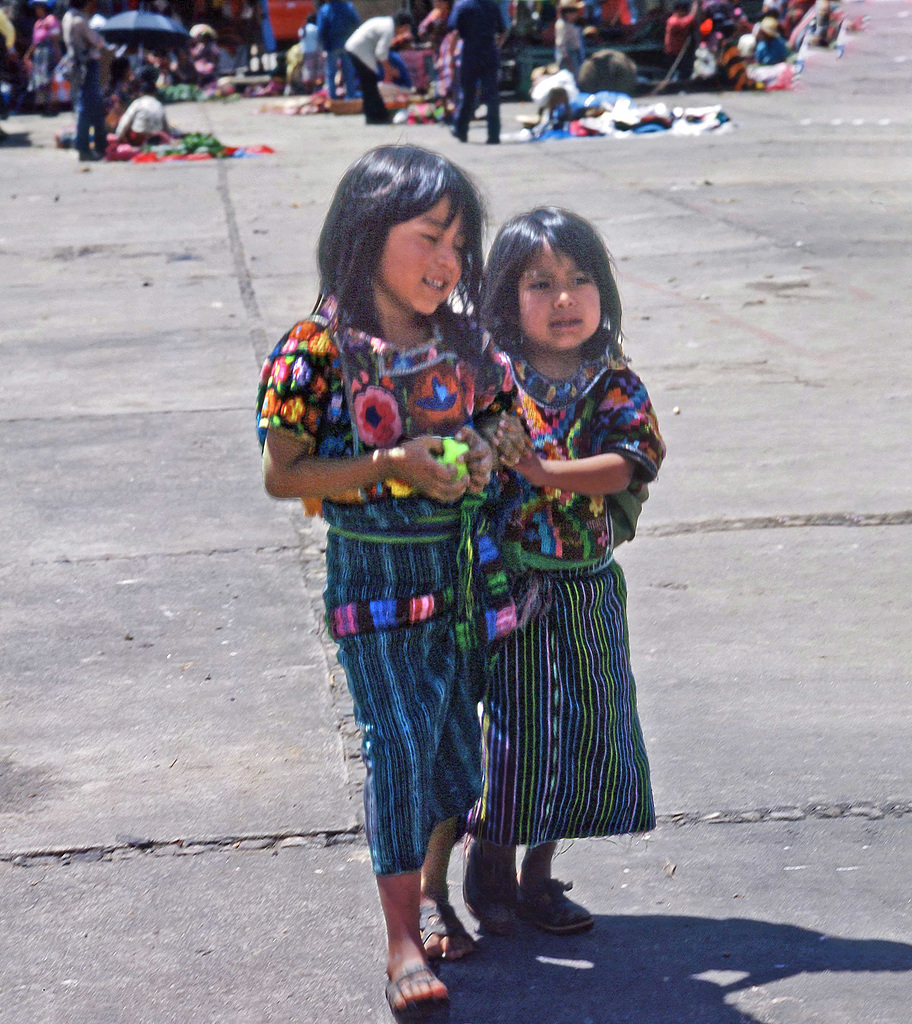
{"points": [[563, 749], [353, 403], [145, 119]]}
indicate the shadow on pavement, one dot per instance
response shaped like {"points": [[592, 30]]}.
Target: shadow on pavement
{"points": [[14, 140], [653, 968]]}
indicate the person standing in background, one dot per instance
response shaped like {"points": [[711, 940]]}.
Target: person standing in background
{"points": [[369, 45], [7, 41], [680, 41], [336, 20], [569, 49], [84, 46], [44, 54], [481, 27]]}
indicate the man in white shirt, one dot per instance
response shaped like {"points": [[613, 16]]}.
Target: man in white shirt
{"points": [[369, 45]]}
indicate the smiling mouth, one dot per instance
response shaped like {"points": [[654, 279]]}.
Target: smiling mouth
{"points": [[564, 325], [437, 286]]}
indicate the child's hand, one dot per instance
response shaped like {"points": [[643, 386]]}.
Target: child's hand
{"points": [[532, 468], [510, 441], [479, 459], [415, 462]]}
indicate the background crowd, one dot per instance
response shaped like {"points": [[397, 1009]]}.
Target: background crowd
{"points": [[457, 54]]}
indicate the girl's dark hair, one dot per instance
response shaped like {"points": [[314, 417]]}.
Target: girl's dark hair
{"points": [[385, 187], [519, 241]]}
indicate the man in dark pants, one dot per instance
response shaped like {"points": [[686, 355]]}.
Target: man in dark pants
{"points": [[368, 46], [84, 46], [481, 27]]}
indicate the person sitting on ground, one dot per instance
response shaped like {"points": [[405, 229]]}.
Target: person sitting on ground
{"points": [[123, 88], [680, 41], [181, 68], [771, 47], [731, 69], [145, 120], [208, 58]]}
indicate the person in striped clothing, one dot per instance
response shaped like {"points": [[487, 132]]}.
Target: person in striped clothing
{"points": [[353, 408], [564, 755]]}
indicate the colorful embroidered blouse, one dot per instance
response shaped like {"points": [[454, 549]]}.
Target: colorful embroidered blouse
{"points": [[394, 395], [603, 408]]}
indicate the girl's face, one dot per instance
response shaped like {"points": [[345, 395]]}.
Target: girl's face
{"points": [[420, 265], [559, 309]]}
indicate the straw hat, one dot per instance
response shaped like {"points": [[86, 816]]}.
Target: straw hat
{"points": [[769, 26], [571, 5], [202, 32]]}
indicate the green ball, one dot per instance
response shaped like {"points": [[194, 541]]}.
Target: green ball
{"points": [[452, 450]]}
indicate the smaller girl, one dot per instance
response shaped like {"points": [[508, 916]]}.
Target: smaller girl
{"points": [[563, 749]]}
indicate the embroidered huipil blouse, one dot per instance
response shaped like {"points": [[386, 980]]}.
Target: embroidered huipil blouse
{"points": [[603, 408], [392, 395]]}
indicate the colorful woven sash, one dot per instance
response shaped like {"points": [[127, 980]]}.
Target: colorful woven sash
{"points": [[481, 601]]}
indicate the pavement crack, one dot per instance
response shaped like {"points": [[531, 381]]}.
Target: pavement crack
{"points": [[36, 563], [256, 328], [128, 847], [871, 810], [780, 522], [132, 847]]}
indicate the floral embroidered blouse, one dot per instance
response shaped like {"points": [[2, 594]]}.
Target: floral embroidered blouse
{"points": [[320, 382], [603, 408]]}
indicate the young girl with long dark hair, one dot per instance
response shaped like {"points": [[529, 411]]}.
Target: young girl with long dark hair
{"points": [[354, 404]]}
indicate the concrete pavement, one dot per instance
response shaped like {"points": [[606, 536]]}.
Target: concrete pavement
{"points": [[178, 807]]}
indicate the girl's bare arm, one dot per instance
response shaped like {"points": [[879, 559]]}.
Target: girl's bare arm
{"points": [[599, 474], [288, 472]]}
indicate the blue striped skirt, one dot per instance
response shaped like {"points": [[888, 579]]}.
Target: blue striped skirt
{"points": [[391, 568], [564, 755]]}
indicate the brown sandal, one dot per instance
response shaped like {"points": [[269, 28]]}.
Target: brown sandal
{"points": [[427, 1010], [439, 918]]}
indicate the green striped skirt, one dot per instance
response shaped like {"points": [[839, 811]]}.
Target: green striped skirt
{"points": [[563, 749], [391, 579]]}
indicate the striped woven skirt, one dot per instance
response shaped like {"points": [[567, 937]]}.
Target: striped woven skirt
{"points": [[563, 749], [391, 576]]}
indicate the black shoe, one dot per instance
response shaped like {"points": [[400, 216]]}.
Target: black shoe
{"points": [[493, 142], [89, 156], [462, 136]]}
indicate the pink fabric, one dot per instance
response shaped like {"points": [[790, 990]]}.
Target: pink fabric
{"points": [[45, 28]]}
